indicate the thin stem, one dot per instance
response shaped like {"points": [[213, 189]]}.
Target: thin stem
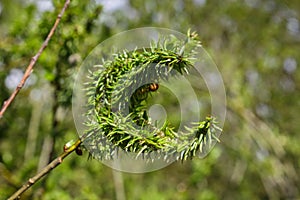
{"points": [[57, 161], [33, 61]]}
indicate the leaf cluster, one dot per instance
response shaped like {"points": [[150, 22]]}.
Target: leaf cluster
{"points": [[118, 100]]}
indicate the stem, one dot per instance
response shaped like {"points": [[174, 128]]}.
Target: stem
{"points": [[57, 161], [33, 61]]}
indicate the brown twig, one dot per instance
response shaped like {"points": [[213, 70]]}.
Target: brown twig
{"points": [[33, 61], [45, 170]]}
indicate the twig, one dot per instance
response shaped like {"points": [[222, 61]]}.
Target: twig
{"points": [[33, 61], [45, 170]]}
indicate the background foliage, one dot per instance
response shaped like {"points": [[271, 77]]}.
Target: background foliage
{"points": [[256, 45]]}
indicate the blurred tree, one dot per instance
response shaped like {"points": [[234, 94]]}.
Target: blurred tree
{"points": [[256, 45]]}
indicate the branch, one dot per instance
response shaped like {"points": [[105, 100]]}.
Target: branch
{"points": [[33, 61], [45, 170]]}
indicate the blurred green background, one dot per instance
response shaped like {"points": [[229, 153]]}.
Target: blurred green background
{"points": [[256, 46]]}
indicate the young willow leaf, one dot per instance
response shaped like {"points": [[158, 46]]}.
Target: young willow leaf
{"points": [[118, 97]]}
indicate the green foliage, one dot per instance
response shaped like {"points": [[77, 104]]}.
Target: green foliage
{"points": [[122, 85], [256, 47]]}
